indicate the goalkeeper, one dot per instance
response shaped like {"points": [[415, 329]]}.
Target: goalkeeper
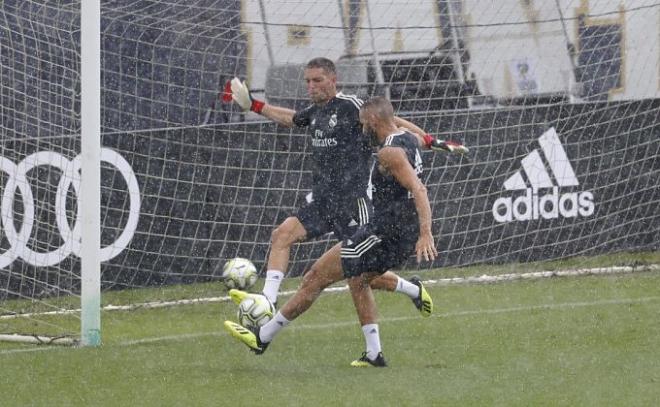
{"points": [[341, 157]]}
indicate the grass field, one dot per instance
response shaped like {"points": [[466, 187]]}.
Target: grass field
{"points": [[579, 341]]}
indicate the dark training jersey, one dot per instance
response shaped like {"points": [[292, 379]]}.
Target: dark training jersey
{"points": [[340, 152], [390, 199], [388, 240]]}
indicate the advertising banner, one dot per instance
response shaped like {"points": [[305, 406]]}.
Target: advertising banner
{"points": [[540, 183]]}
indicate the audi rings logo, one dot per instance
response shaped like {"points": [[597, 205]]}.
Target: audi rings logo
{"points": [[70, 177]]}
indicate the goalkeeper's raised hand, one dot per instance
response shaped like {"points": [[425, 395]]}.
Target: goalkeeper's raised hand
{"points": [[238, 91], [447, 146]]}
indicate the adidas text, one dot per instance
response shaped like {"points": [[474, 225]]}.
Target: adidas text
{"points": [[532, 205], [541, 170]]}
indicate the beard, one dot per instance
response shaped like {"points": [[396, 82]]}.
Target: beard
{"points": [[319, 98]]}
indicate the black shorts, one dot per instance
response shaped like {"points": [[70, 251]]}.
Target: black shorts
{"points": [[378, 247], [341, 217]]}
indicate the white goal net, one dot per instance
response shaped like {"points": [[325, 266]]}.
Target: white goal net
{"points": [[559, 102]]}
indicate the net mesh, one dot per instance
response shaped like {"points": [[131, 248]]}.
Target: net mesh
{"points": [[558, 102]]}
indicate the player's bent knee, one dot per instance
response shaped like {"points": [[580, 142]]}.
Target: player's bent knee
{"points": [[285, 235]]}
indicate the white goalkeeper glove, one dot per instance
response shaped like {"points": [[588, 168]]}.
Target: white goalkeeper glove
{"points": [[240, 94], [447, 146]]}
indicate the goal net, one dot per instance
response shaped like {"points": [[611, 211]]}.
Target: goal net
{"points": [[557, 100]]}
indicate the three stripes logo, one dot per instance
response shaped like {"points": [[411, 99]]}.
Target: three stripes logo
{"points": [[360, 248], [558, 173]]}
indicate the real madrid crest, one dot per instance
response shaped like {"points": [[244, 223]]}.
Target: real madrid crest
{"points": [[333, 121]]}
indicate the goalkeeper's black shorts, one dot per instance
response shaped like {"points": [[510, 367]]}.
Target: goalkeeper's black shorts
{"points": [[342, 217]]}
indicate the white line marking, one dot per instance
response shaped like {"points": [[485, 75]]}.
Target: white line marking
{"points": [[539, 307], [483, 279], [169, 338]]}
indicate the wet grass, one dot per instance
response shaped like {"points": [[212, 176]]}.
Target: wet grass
{"points": [[587, 341]]}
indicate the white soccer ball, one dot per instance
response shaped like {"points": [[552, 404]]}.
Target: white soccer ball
{"points": [[239, 273], [255, 310]]}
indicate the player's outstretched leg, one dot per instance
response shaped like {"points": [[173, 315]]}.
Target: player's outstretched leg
{"points": [[282, 238], [423, 302], [249, 337], [364, 361], [324, 272]]}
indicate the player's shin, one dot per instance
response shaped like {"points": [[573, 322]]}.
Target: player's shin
{"points": [[365, 306], [407, 288], [372, 339], [272, 284]]}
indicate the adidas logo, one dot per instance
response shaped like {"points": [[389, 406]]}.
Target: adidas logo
{"points": [[552, 205]]}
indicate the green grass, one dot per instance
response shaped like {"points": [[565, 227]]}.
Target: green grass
{"points": [[587, 341]]}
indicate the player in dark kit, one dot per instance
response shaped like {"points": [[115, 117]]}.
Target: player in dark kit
{"points": [[401, 225], [341, 156]]}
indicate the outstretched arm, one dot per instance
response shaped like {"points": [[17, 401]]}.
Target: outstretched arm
{"points": [[411, 127], [422, 138], [240, 94], [430, 142], [280, 115]]}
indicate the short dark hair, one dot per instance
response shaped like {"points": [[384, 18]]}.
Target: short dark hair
{"points": [[380, 106], [324, 63]]}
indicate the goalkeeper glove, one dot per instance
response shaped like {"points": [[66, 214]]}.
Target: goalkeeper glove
{"points": [[238, 91], [447, 146]]}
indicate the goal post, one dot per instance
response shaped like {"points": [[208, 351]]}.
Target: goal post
{"points": [[90, 182]]}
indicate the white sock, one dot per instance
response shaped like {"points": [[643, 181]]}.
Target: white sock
{"points": [[272, 327], [372, 337], [272, 284], [408, 288]]}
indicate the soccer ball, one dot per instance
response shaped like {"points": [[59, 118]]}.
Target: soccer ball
{"points": [[255, 310], [239, 273]]}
